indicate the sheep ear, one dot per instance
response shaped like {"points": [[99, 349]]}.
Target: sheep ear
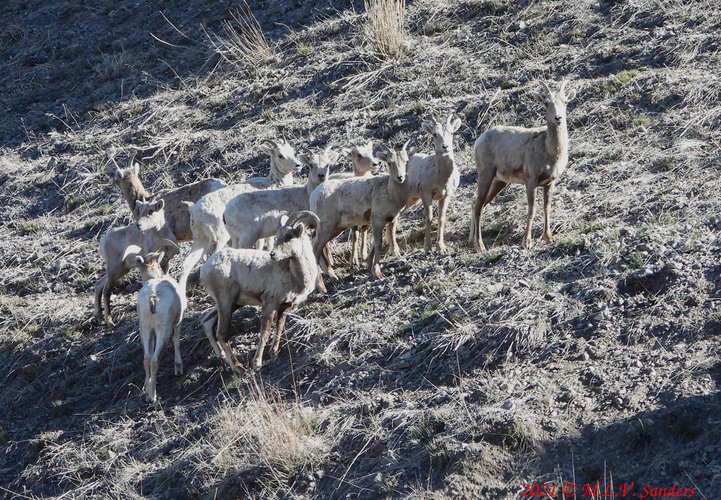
{"points": [[268, 146], [427, 127], [283, 220], [370, 145], [136, 168], [454, 123], [304, 158], [298, 230], [539, 97], [383, 156], [158, 205], [117, 174], [570, 96], [139, 260], [345, 152], [411, 150]]}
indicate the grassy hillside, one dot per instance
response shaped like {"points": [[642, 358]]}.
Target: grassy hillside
{"points": [[463, 375]]}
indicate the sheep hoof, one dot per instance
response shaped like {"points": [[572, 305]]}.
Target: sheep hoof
{"points": [[257, 365], [178, 368], [528, 243], [442, 248], [109, 321], [479, 246], [548, 237]]}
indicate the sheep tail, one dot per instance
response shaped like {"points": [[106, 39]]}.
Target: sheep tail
{"points": [[153, 302]]}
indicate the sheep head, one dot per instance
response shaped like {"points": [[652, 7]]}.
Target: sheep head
{"points": [[151, 215], [291, 239], [442, 133], [319, 164], [397, 160], [555, 102], [149, 265], [282, 156], [362, 157]]}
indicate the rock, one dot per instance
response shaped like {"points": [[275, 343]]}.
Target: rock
{"points": [[508, 405]]}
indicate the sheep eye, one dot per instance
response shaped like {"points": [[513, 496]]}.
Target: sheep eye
{"points": [[281, 156]]}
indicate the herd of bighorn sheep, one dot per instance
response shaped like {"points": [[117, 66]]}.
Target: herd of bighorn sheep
{"points": [[279, 232]]}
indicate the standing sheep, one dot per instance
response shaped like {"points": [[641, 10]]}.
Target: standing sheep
{"points": [[535, 157], [251, 216], [276, 281], [432, 177], [161, 304], [362, 201], [206, 215]]}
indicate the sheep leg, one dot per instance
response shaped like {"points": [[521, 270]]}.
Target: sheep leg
{"points": [[364, 241], [496, 188], [484, 186], [354, 249], [279, 328], [428, 218], [547, 194], [157, 351], [208, 324], [176, 348], [225, 312], [531, 195], [196, 253], [393, 248], [374, 256], [111, 279], [99, 285], [442, 206], [266, 326], [145, 337]]}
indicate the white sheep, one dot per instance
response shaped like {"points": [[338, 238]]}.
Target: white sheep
{"points": [[161, 304], [432, 177], [206, 215], [118, 249], [276, 281], [176, 208], [251, 216], [361, 201], [363, 161], [534, 157]]}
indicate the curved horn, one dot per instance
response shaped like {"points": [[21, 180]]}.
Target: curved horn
{"points": [[269, 142], [547, 88], [302, 216], [164, 242], [405, 144], [562, 88], [132, 157]]}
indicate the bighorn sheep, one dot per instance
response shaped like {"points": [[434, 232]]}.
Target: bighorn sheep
{"points": [[534, 157], [276, 281], [251, 216], [363, 201], [206, 215], [118, 249], [176, 208], [432, 177], [363, 161], [161, 304]]}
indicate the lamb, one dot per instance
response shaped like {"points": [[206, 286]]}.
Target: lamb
{"points": [[276, 281], [363, 161], [535, 157], [362, 201], [176, 210], [432, 177], [255, 215], [161, 304], [118, 249], [206, 215]]}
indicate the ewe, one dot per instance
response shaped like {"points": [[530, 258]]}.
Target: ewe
{"points": [[432, 177], [276, 281], [361, 201], [206, 215], [176, 209], [530, 156], [118, 249], [255, 215], [161, 303]]}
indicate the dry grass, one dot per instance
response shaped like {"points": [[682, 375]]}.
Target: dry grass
{"points": [[265, 430], [243, 44], [385, 30]]}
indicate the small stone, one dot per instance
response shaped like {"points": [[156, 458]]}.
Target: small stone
{"points": [[508, 405]]}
